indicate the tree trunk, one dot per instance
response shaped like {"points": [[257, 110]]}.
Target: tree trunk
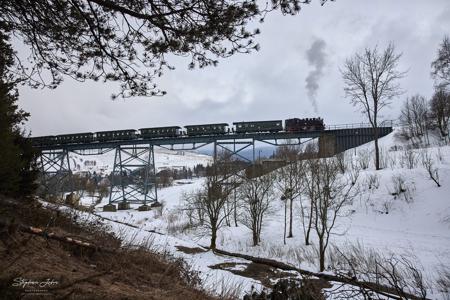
{"points": [[235, 209], [285, 213], [213, 238], [309, 226], [363, 285], [322, 255], [290, 218], [227, 214], [377, 150], [255, 237]]}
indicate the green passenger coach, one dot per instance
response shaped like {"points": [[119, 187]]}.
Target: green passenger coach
{"points": [[116, 135], [206, 129], [258, 126]]}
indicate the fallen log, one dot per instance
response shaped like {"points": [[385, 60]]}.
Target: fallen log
{"points": [[375, 287], [53, 236]]}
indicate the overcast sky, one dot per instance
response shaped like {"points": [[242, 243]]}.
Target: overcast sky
{"points": [[295, 74]]}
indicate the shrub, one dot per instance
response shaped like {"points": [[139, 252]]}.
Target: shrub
{"points": [[400, 188], [363, 159], [428, 164], [372, 181]]}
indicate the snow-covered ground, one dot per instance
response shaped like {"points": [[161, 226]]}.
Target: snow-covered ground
{"points": [[416, 225]]}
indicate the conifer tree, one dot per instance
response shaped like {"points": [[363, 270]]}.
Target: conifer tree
{"points": [[17, 171]]}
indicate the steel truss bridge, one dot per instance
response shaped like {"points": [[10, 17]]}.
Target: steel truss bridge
{"points": [[137, 157]]}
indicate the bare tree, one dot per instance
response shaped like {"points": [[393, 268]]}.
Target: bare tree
{"points": [[288, 178], [256, 194], [440, 110], [332, 192], [310, 189], [208, 205], [371, 81], [414, 114], [228, 166], [441, 66]]}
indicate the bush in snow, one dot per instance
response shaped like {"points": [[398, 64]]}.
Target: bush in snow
{"points": [[354, 173], [439, 155], [392, 160], [408, 159], [387, 205], [341, 160], [372, 181], [428, 164], [400, 188], [175, 223], [363, 159]]}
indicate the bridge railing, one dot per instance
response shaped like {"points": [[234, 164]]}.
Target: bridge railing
{"points": [[386, 123]]}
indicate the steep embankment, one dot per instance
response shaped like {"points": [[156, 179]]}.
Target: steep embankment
{"points": [[40, 265]]}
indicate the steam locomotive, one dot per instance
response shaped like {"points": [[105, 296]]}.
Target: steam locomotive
{"points": [[290, 125]]}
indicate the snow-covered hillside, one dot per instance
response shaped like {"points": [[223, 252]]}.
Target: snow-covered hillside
{"points": [[415, 224], [103, 164]]}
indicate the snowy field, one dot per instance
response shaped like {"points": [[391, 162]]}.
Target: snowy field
{"points": [[417, 224]]}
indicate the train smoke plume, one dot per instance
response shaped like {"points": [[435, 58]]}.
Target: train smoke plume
{"points": [[317, 59]]}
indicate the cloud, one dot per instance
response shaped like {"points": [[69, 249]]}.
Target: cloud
{"points": [[317, 59]]}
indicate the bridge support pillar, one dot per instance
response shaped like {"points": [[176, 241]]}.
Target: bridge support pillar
{"points": [[55, 174], [133, 179], [327, 145]]}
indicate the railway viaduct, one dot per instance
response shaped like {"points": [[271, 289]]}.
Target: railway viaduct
{"points": [[136, 157]]}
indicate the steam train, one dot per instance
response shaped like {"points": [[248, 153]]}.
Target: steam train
{"points": [[290, 125]]}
